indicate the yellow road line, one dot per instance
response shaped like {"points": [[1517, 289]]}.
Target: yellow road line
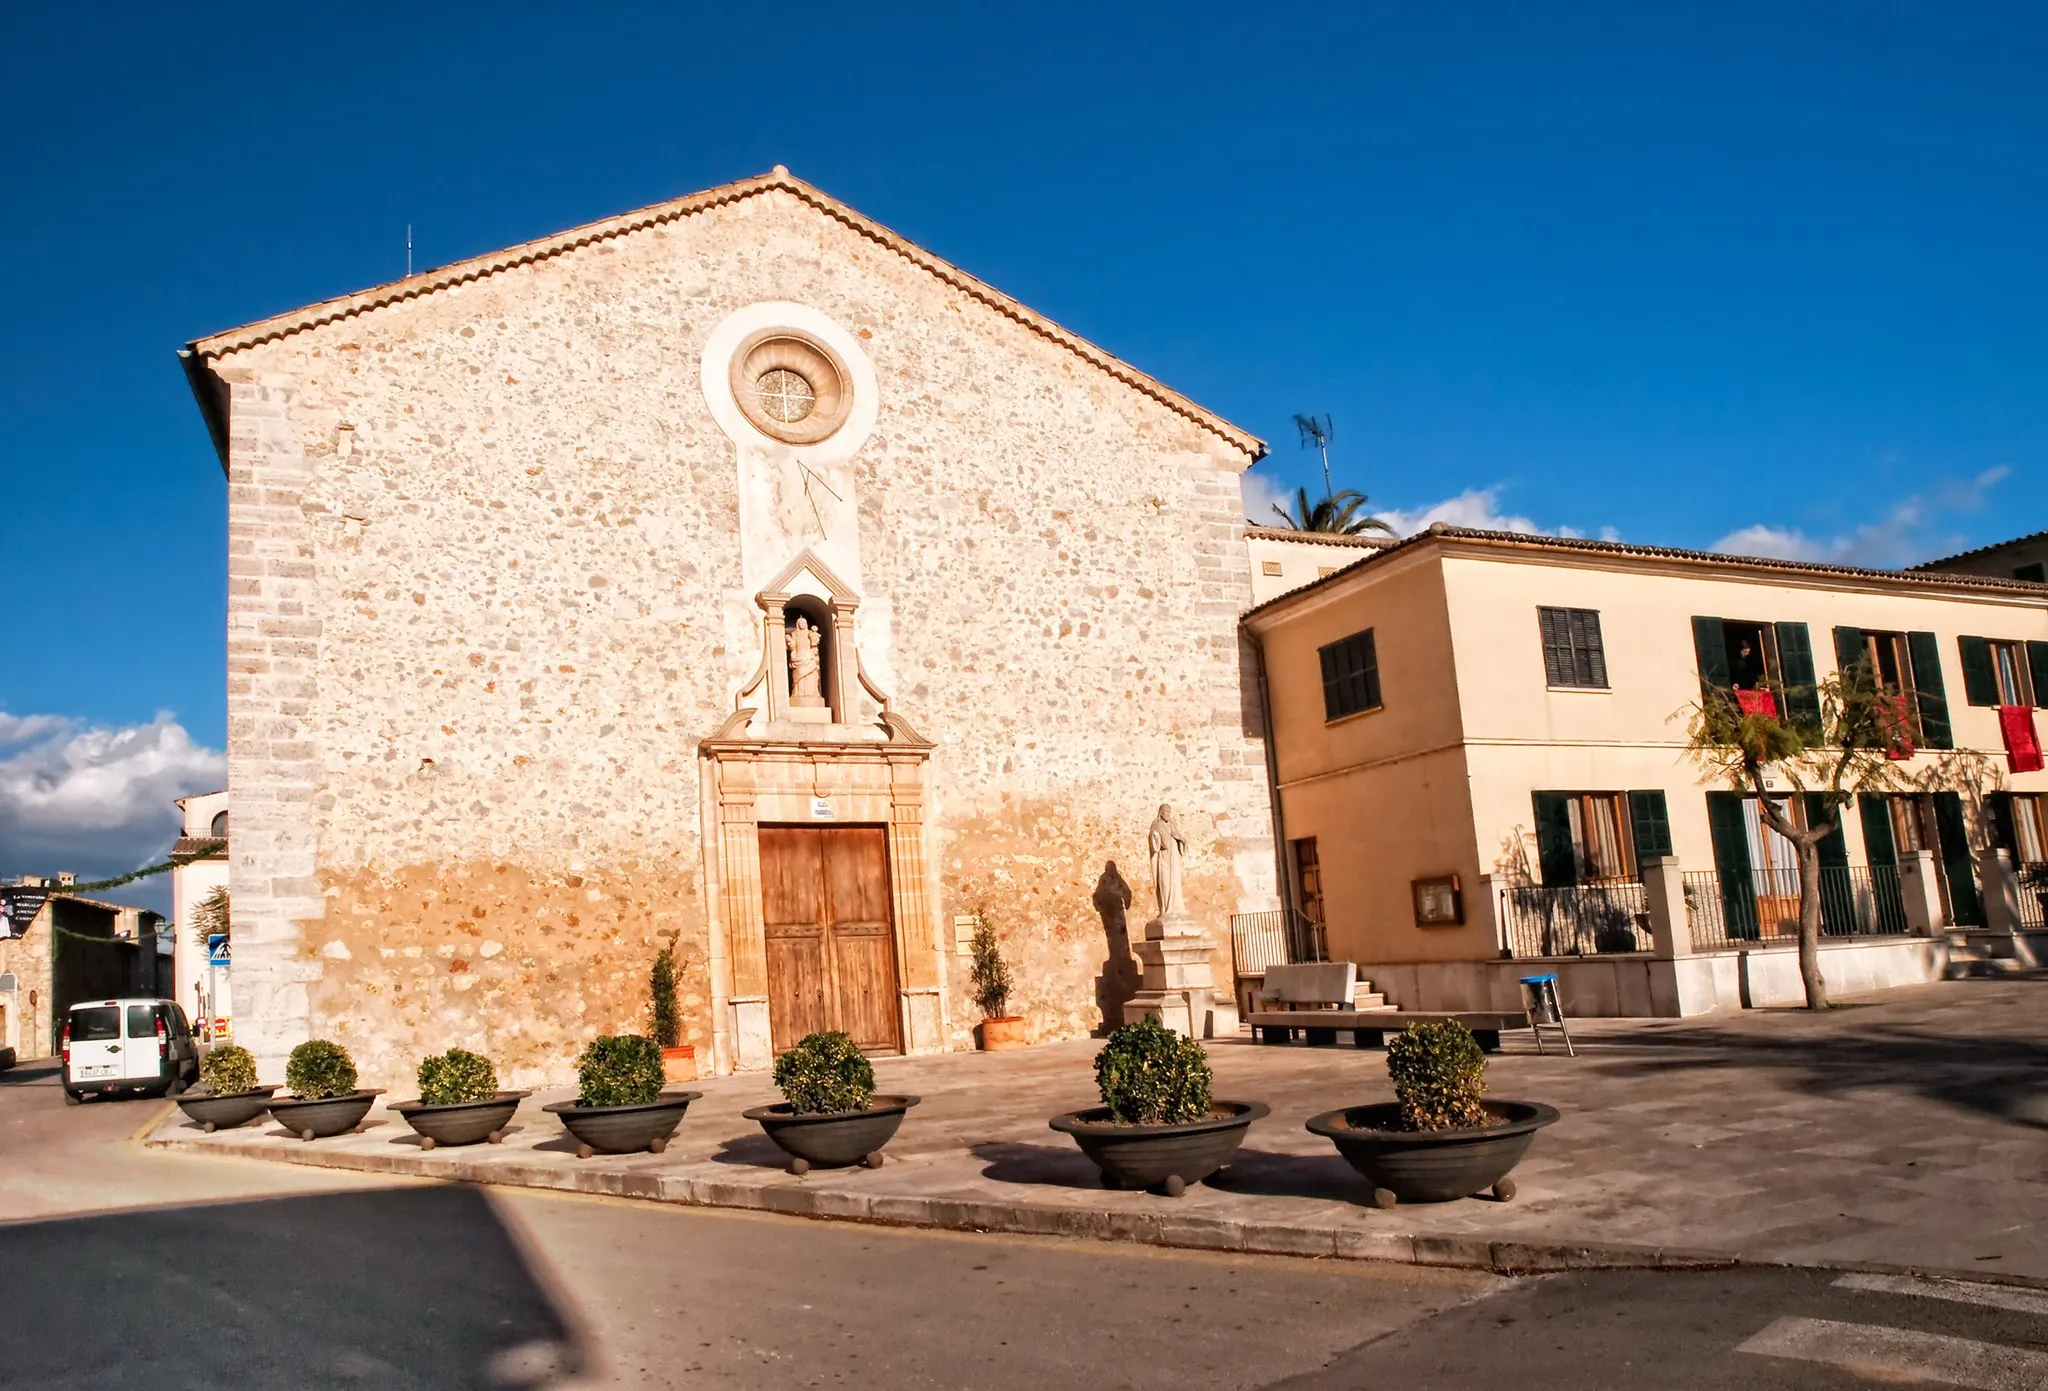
{"points": [[142, 1131]]}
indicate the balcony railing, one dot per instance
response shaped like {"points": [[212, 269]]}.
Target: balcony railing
{"points": [[1260, 940], [2033, 897], [1582, 920], [1761, 906]]}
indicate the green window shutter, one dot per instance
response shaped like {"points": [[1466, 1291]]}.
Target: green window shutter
{"points": [[1834, 851], [1878, 846], [1998, 811], [1795, 668], [1650, 821], [1928, 691], [1731, 862], [1557, 646], [2037, 664], [1554, 852], [1980, 681], [1710, 646], [1849, 649], [1958, 867], [1837, 894]]}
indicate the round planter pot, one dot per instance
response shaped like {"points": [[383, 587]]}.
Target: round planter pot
{"points": [[461, 1122], [1433, 1166], [1000, 1035], [1141, 1156], [834, 1139], [679, 1064], [330, 1115], [623, 1129], [210, 1112]]}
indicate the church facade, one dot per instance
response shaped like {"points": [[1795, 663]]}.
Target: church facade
{"points": [[731, 578]]}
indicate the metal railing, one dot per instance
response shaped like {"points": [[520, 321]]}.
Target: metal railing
{"points": [[2032, 889], [1582, 920], [1762, 905], [1278, 938]]}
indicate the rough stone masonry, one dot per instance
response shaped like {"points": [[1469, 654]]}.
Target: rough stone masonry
{"points": [[503, 628]]}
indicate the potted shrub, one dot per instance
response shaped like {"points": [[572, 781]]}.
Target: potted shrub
{"points": [[325, 1099], [231, 1098], [1157, 1124], [622, 1108], [991, 981], [830, 1116], [1438, 1139], [678, 1059], [459, 1102]]}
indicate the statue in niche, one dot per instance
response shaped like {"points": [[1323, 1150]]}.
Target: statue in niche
{"points": [[806, 685], [1167, 846]]}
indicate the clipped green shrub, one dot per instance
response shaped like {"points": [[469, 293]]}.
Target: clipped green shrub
{"points": [[666, 1009], [620, 1070], [1149, 1075], [824, 1073], [1439, 1075], [228, 1070], [991, 974], [318, 1068], [456, 1076]]}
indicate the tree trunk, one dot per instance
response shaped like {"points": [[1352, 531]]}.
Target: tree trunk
{"points": [[1809, 923]]}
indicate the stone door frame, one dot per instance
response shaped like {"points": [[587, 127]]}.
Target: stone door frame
{"points": [[748, 780]]}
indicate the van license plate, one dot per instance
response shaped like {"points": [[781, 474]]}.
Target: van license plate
{"points": [[95, 1072]]}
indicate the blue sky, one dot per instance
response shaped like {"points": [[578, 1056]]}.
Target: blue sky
{"points": [[1761, 275]]}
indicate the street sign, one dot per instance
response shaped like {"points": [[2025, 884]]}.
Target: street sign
{"points": [[217, 949]]}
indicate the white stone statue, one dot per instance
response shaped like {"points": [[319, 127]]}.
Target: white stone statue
{"points": [[805, 687], [1167, 846]]}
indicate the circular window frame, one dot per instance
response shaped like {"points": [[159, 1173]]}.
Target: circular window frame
{"points": [[831, 384]]}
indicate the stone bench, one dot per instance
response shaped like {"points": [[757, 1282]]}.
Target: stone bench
{"points": [[1369, 1027]]}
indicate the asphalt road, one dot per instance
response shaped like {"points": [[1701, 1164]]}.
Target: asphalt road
{"points": [[125, 1267]]}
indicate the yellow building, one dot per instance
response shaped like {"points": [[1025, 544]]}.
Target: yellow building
{"points": [[1478, 743]]}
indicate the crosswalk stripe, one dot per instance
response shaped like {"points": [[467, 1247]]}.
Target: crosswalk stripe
{"points": [[1960, 1291], [1900, 1354]]}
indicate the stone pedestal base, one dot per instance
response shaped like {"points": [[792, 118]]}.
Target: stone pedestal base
{"points": [[1177, 987]]}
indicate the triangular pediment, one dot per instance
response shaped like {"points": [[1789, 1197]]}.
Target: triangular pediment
{"points": [[789, 580]]}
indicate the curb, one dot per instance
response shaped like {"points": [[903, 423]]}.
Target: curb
{"points": [[1191, 1231]]}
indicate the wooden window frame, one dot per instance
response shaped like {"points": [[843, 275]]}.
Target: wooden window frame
{"points": [[1574, 649], [1341, 674], [2002, 651]]}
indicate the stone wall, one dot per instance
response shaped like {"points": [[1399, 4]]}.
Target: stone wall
{"points": [[485, 599]]}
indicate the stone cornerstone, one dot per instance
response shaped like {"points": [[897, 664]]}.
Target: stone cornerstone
{"points": [[572, 588]]}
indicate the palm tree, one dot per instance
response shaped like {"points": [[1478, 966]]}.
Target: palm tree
{"points": [[1337, 513]]}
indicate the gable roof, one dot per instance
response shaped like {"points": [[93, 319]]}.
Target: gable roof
{"points": [[1973, 553], [203, 351], [1442, 531]]}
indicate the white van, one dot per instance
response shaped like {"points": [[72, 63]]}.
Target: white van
{"points": [[128, 1045]]}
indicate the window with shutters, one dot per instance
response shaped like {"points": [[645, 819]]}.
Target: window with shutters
{"points": [[1351, 676], [2029, 830], [1584, 838], [1572, 654], [1886, 653], [2009, 669]]}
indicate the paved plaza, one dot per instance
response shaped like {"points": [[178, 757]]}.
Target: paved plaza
{"points": [[1906, 1131]]}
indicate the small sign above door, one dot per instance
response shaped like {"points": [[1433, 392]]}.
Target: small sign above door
{"points": [[821, 809]]}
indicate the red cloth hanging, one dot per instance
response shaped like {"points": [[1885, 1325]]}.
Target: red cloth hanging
{"points": [[1757, 703], [2022, 748], [1897, 726]]}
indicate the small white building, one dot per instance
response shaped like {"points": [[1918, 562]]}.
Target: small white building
{"points": [[205, 837]]}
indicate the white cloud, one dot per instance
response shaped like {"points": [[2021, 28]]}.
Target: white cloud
{"points": [[1261, 496], [94, 799], [1478, 508], [1905, 535]]}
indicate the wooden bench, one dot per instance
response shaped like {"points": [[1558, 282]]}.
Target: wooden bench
{"points": [[1369, 1027]]}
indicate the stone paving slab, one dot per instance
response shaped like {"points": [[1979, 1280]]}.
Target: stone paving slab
{"points": [[1908, 1132]]}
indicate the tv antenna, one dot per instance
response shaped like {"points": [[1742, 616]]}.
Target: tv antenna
{"points": [[1316, 434], [408, 250]]}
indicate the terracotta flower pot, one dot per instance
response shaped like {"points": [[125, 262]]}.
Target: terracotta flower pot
{"points": [[679, 1064], [1002, 1033]]}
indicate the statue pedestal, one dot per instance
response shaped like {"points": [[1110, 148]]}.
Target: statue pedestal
{"points": [[1178, 988]]}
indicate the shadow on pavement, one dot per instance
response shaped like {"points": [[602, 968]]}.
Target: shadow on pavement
{"points": [[1053, 1166], [1991, 1076], [418, 1287]]}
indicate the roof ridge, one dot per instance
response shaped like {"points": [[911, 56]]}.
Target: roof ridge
{"points": [[1979, 550], [1445, 531], [779, 178]]}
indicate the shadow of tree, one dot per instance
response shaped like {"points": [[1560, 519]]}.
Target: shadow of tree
{"points": [[415, 1287], [1987, 1076]]}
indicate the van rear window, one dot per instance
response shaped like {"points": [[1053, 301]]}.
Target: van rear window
{"points": [[91, 1025], [141, 1021]]}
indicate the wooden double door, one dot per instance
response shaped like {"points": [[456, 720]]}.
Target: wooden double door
{"points": [[831, 944]]}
